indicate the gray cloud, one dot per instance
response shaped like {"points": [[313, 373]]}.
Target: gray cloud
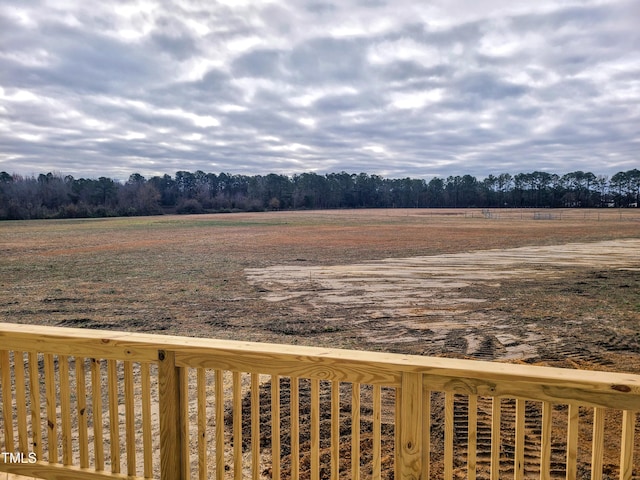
{"points": [[392, 88]]}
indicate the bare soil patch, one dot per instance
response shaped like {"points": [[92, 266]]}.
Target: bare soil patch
{"points": [[438, 304]]}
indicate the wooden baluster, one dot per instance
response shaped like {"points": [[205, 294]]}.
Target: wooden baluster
{"points": [[34, 396], [626, 444], [65, 410], [335, 430], [130, 426], [52, 418], [275, 426], [518, 462], [495, 438], [145, 387], [545, 442], [96, 404], [315, 429], [295, 427], [377, 438], [21, 401], [114, 419], [81, 395], [472, 436], [355, 431], [237, 426], [185, 444], [572, 441], [202, 423], [426, 433], [448, 435], [219, 425], [597, 446], [255, 426]]}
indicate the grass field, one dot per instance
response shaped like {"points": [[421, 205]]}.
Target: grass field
{"points": [[190, 275], [557, 287]]}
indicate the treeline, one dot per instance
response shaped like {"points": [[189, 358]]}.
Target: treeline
{"points": [[57, 196]]}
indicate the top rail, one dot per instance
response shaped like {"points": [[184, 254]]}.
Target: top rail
{"points": [[599, 389], [115, 402]]}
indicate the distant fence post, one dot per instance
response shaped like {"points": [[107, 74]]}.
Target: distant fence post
{"points": [[173, 462], [410, 425]]}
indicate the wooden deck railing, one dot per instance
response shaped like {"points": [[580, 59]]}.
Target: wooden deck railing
{"points": [[101, 405]]}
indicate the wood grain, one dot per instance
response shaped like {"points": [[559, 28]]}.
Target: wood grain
{"points": [[7, 407], [412, 377], [21, 400], [34, 397], [114, 417], [597, 447], [603, 389], [626, 445], [81, 400], [409, 457]]}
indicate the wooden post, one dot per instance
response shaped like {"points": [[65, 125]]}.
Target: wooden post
{"points": [[7, 402], [169, 384], [410, 427]]}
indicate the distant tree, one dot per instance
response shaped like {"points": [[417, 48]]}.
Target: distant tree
{"points": [[452, 190], [541, 183], [468, 191], [626, 188], [186, 184], [576, 188], [105, 192], [435, 192], [489, 188], [52, 195], [138, 197], [505, 184], [136, 179], [633, 177], [278, 187], [167, 188]]}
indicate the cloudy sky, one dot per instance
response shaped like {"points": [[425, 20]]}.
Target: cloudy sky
{"points": [[392, 87]]}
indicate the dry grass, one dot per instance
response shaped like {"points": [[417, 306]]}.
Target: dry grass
{"points": [[187, 276]]}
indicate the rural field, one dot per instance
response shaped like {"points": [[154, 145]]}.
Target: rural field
{"points": [[549, 287], [563, 289]]}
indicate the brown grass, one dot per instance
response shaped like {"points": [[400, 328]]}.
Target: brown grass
{"points": [[185, 275]]}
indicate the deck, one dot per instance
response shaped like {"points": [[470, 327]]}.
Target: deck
{"points": [[102, 404]]}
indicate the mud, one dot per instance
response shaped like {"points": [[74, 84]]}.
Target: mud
{"points": [[446, 303]]}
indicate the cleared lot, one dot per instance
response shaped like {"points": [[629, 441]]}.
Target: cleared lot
{"points": [[559, 288], [562, 290]]}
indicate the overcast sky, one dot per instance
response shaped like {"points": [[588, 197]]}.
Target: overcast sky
{"points": [[396, 88]]}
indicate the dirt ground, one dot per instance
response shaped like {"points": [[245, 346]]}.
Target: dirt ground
{"points": [[413, 281], [452, 303], [557, 288]]}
